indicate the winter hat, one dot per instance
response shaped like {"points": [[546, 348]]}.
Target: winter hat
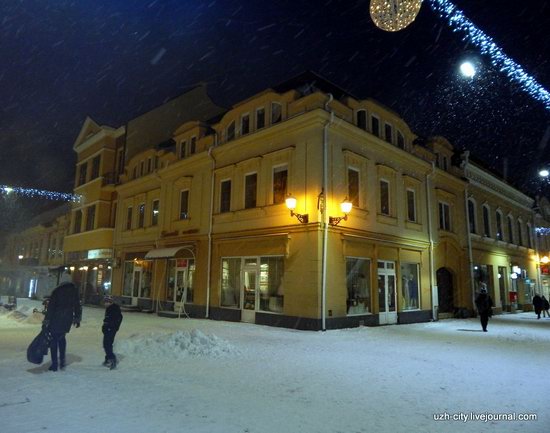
{"points": [[108, 298]]}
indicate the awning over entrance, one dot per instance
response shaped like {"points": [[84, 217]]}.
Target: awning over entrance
{"points": [[167, 253]]}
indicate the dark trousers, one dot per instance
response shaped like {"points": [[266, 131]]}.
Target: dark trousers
{"points": [[108, 340], [484, 318], [58, 342]]}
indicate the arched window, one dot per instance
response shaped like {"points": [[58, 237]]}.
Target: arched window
{"points": [[472, 215], [486, 222], [510, 229]]}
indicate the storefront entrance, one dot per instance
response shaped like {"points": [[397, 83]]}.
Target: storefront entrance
{"points": [[249, 295], [387, 301]]}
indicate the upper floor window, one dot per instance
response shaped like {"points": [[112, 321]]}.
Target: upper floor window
{"points": [[280, 178], [276, 112], [260, 118], [400, 140], [82, 171], [193, 146], [141, 215], [250, 190], [245, 124], [149, 165], [411, 205], [135, 173], [362, 119], [486, 222], [444, 216], [375, 126], [472, 216], [77, 221], [225, 196], [520, 233], [353, 186], [129, 218], [155, 212], [141, 168], [500, 235], [384, 197], [184, 204], [120, 162], [388, 133], [231, 131], [529, 238], [90, 218], [95, 167], [183, 149], [444, 163], [510, 229]]}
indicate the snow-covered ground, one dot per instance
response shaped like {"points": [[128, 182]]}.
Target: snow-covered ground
{"points": [[193, 375]]}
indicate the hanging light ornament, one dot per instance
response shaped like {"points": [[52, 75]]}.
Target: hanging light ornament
{"points": [[394, 15]]}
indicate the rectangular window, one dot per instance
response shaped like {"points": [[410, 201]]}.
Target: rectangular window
{"points": [[486, 222], [155, 213], [120, 162], [231, 131], [82, 174], [472, 216], [90, 218], [141, 215], [231, 282], [129, 218], [250, 190], [260, 118], [444, 216], [135, 172], [77, 221], [184, 204], [500, 236], [375, 123], [362, 119], [183, 149], [529, 238], [245, 124], [358, 286], [271, 284], [520, 234], [95, 167], [225, 196], [409, 286], [384, 197], [510, 230], [276, 112], [149, 165], [388, 133], [411, 205], [353, 186], [141, 168], [280, 178], [193, 146], [400, 140]]}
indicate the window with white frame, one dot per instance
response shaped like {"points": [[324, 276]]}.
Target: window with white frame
{"points": [[280, 181], [486, 222], [384, 197], [411, 204], [444, 216]]}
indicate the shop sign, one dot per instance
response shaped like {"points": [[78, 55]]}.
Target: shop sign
{"points": [[103, 253]]}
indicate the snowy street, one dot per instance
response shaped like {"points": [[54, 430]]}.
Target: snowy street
{"points": [[205, 376]]}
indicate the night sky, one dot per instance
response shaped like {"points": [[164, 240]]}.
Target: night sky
{"points": [[113, 60]]}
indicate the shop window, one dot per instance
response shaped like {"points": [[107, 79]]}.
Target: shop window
{"points": [[280, 178], [384, 197], [225, 196], [155, 212], [362, 119], [411, 205], [409, 286], [358, 281], [90, 218], [141, 215], [184, 204], [271, 284], [353, 186], [444, 216], [180, 280], [231, 282], [260, 118], [250, 190], [245, 124], [128, 277], [276, 112]]}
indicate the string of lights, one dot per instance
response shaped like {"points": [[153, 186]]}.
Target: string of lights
{"points": [[487, 46], [32, 192], [543, 231]]}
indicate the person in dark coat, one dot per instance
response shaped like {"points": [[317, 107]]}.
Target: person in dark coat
{"points": [[64, 310], [111, 324], [545, 307], [484, 305], [537, 304]]}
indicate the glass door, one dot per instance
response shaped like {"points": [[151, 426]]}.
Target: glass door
{"points": [[249, 296], [387, 301], [136, 284]]}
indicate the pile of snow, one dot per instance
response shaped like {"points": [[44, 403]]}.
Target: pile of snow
{"points": [[23, 314], [179, 344]]}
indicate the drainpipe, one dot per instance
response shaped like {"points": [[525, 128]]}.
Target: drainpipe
{"points": [[433, 286], [470, 254], [324, 215], [210, 219]]}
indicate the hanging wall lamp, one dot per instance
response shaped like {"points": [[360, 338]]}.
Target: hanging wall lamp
{"points": [[291, 204], [345, 207]]}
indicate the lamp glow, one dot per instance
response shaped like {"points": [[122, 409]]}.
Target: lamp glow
{"points": [[290, 202], [544, 173]]}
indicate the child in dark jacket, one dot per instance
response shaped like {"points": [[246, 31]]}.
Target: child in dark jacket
{"points": [[111, 324]]}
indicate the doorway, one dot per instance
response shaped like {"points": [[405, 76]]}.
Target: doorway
{"points": [[249, 295], [387, 299], [445, 290]]}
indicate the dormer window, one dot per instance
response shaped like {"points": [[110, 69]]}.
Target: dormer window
{"points": [[231, 131], [362, 119], [183, 146], [276, 112], [375, 123], [193, 146], [245, 124], [260, 118], [388, 133], [400, 140]]}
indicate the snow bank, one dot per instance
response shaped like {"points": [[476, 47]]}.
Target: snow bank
{"points": [[179, 344]]}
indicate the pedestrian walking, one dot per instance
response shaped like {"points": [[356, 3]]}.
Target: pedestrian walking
{"points": [[537, 304], [484, 305], [545, 307], [111, 324], [63, 310]]}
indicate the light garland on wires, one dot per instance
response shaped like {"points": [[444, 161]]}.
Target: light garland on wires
{"points": [[473, 34], [32, 192], [543, 231]]}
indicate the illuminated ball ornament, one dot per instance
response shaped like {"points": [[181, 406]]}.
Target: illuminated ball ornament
{"points": [[467, 69], [394, 15]]}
